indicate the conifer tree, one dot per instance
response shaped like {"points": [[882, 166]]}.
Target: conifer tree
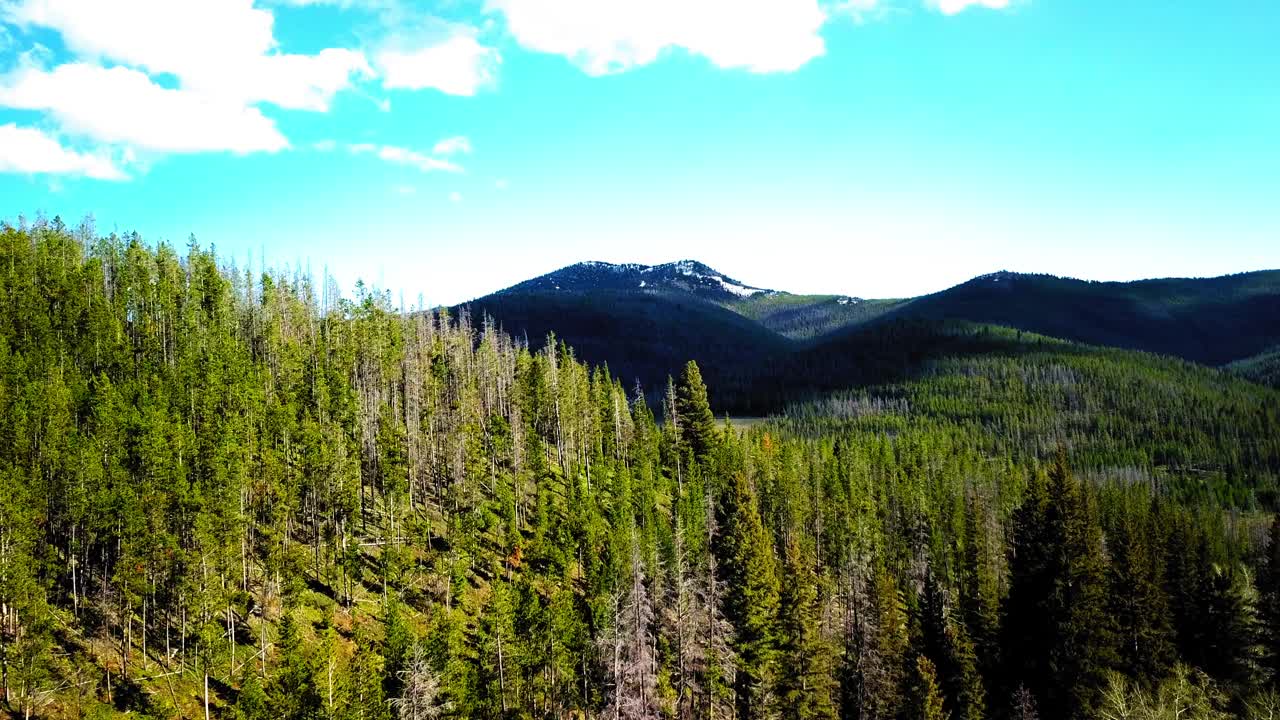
{"points": [[1059, 634], [946, 643], [1269, 601], [926, 695], [806, 686], [697, 422], [293, 694], [1137, 598], [752, 604]]}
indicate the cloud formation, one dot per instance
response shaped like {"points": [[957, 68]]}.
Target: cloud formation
{"points": [[458, 65], [952, 7], [121, 106], [189, 76], [164, 76], [452, 146], [404, 156], [610, 36], [226, 49], [30, 151]]}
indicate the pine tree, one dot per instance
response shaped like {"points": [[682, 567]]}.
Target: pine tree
{"points": [[293, 694], [697, 422], [926, 695], [1269, 601], [806, 686], [1231, 652], [1059, 632], [752, 604], [876, 663], [946, 642], [1137, 599]]}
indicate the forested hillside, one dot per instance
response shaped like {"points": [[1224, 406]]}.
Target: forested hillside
{"points": [[239, 495], [1262, 368], [1207, 320]]}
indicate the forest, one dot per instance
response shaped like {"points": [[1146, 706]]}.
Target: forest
{"points": [[239, 494]]}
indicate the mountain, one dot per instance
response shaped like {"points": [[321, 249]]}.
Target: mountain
{"points": [[761, 348], [684, 276], [1210, 320], [642, 335], [798, 317]]}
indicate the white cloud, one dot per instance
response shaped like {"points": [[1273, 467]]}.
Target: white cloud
{"points": [[300, 82], [404, 156], [455, 197], [30, 151], [458, 65], [452, 146], [120, 105], [860, 10], [225, 48], [324, 145], [952, 7], [501, 184], [343, 4], [607, 36], [424, 163]]}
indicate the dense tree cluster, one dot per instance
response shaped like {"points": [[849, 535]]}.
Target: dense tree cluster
{"points": [[235, 495], [1200, 433]]}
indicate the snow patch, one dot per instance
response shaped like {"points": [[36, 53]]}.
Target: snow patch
{"points": [[738, 290]]}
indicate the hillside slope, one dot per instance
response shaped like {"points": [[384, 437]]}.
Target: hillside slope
{"points": [[1263, 368], [764, 348], [641, 336], [1207, 320]]}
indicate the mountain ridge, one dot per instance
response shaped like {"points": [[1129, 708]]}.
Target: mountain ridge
{"points": [[646, 320], [680, 275]]}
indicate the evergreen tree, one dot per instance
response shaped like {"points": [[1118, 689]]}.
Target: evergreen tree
{"points": [[1137, 599], [752, 604], [926, 696], [956, 664], [1059, 633], [806, 687], [292, 694], [697, 422], [1269, 600]]}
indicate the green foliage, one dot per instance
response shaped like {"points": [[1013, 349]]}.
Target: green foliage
{"points": [[333, 508], [926, 697], [1263, 368], [752, 601], [807, 684], [697, 422]]}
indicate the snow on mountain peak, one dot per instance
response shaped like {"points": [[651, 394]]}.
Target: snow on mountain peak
{"points": [[682, 275]]}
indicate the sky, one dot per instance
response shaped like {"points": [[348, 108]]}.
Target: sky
{"points": [[878, 148]]}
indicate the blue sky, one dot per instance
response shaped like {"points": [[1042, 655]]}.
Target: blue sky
{"points": [[870, 147]]}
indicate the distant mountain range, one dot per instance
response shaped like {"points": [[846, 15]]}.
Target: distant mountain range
{"points": [[646, 321]]}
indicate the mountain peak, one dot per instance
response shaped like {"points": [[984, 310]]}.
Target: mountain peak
{"points": [[681, 276]]}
